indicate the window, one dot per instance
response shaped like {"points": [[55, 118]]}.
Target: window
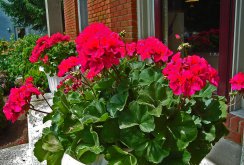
{"points": [[145, 17], [19, 32], [238, 50], [191, 20], [82, 14]]}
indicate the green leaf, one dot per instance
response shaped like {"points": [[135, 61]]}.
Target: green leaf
{"points": [[178, 158], [110, 132], [103, 84], [199, 148], [51, 143], [135, 139], [154, 96], [89, 95], [75, 128], [206, 92], [49, 148], [138, 65], [89, 146], [137, 115], [223, 108], [155, 152], [90, 112], [210, 134], [183, 129], [212, 111], [156, 111], [74, 97], [88, 157], [60, 103], [117, 103], [150, 75], [39, 152], [116, 155]]}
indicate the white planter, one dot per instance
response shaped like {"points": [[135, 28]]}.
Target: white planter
{"points": [[68, 160], [53, 82]]}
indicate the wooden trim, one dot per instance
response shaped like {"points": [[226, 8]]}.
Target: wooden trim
{"points": [[226, 38], [158, 19]]}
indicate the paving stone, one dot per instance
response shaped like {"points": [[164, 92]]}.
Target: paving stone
{"points": [[35, 124], [17, 155]]}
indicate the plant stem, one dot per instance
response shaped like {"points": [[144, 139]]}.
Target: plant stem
{"points": [[89, 85], [47, 101], [233, 102], [116, 72], [111, 75], [39, 111]]}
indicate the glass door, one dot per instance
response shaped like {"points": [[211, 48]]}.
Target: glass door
{"points": [[197, 22]]}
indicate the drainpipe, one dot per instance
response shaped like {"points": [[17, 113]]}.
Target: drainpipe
{"points": [[165, 22]]}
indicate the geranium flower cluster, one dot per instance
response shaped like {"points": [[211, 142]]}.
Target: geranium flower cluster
{"points": [[44, 43], [72, 82], [153, 48], [67, 64], [19, 100], [237, 82], [189, 75], [98, 48]]}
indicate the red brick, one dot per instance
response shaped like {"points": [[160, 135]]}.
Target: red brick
{"points": [[234, 136], [234, 123], [241, 127]]}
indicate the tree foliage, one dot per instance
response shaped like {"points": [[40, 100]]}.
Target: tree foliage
{"points": [[26, 12]]}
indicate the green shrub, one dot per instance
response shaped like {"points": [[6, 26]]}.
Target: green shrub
{"points": [[3, 121], [15, 60]]}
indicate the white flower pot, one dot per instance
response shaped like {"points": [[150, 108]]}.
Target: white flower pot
{"points": [[53, 82], [68, 160]]}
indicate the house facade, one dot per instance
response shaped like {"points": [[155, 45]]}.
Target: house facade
{"points": [[215, 29], [6, 26]]}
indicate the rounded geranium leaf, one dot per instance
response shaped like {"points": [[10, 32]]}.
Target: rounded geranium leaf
{"points": [[137, 115], [183, 129]]}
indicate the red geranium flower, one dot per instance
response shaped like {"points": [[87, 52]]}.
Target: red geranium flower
{"points": [[19, 100], [98, 48], [153, 48], [131, 48], [44, 43], [190, 74], [237, 82], [67, 64]]}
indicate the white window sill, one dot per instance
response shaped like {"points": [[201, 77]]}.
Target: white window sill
{"points": [[239, 112]]}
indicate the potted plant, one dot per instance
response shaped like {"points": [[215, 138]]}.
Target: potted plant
{"points": [[131, 111], [49, 52], [126, 110]]}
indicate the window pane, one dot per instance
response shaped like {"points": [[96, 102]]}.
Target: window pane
{"points": [[197, 22]]}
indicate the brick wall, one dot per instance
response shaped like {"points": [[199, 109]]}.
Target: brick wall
{"points": [[235, 126], [117, 14], [71, 18]]}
